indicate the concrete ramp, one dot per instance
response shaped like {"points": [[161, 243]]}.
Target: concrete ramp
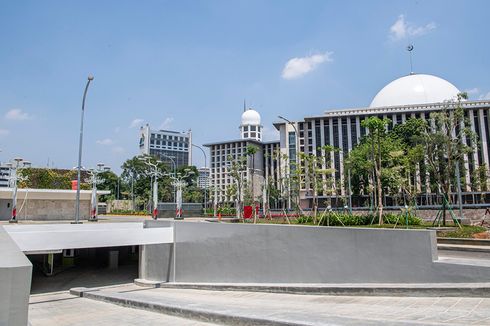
{"points": [[51, 238]]}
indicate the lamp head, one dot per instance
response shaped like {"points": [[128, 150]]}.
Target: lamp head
{"points": [[90, 77]]}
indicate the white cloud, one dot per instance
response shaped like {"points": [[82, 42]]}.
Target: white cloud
{"points": [[4, 132], [136, 123], [484, 96], [402, 29], [17, 114], [118, 150], [297, 67], [472, 91], [166, 123], [105, 142]]}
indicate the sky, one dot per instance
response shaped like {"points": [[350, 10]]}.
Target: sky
{"points": [[191, 64]]}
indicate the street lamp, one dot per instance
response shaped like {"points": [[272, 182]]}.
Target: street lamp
{"points": [[179, 183], [93, 200], [154, 173], [79, 167], [13, 178], [205, 182]]}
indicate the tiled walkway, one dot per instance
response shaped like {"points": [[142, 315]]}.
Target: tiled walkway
{"points": [[63, 309]]}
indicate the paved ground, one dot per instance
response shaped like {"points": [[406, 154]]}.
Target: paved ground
{"points": [[63, 309]]}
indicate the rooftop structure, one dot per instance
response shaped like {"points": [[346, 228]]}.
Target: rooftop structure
{"points": [[415, 89]]}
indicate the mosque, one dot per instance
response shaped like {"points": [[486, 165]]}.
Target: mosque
{"points": [[411, 96]]}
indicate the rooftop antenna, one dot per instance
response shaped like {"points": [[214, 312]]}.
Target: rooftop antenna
{"points": [[410, 49], [244, 105]]}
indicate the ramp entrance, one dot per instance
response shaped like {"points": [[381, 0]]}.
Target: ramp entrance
{"points": [[87, 267]]}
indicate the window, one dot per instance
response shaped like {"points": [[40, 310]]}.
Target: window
{"points": [[253, 128], [353, 131]]}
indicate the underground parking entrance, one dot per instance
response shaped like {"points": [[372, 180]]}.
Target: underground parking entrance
{"points": [[61, 270]]}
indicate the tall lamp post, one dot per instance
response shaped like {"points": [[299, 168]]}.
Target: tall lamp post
{"points": [[296, 145], [13, 178], [79, 167], [205, 182]]}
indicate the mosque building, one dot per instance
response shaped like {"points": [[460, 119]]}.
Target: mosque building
{"points": [[411, 96]]}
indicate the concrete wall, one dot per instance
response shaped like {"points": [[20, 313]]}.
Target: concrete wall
{"points": [[15, 282], [43, 209], [245, 253], [126, 205]]}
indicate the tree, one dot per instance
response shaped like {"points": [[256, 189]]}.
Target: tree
{"points": [[447, 141], [250, 151], [316, 178], [138, 171], [237, 167], [376, 138], [109, 182]]}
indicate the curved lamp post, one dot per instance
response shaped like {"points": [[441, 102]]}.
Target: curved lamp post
{"points": [[206, 181], [79, 167]]}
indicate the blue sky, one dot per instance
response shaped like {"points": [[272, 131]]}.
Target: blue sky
{"points": [[190, 64]]}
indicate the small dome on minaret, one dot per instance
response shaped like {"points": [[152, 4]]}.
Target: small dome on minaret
{"points": [[250, 127]]}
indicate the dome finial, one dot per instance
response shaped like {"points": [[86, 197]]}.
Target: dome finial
{"points": [[410, 49]]}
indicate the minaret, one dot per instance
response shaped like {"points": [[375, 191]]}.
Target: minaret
{"points": [[250, 128]]}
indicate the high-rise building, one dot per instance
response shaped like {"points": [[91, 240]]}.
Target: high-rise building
{"points": [[203, 178], [223, 153], [4, 176], [169, 146]]}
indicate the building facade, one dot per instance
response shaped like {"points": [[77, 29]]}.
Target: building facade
{"points": [[4, 176], [172, 147], [225, 153], [413, 96], [203, 178]]}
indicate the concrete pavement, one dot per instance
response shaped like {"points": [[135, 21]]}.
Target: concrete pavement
{"points": [[63, 309], [259, 308]]}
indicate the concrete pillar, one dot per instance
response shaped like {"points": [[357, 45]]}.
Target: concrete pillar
{"points": [[113, 259]]}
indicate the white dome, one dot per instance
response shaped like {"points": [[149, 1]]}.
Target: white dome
{"points": [[415, 89], [250, 117]]}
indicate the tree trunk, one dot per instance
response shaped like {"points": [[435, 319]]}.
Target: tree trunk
{"points": [[378, 181]]}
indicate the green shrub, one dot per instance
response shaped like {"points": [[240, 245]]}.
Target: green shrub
{"points": [[346, 219], [128, 212]]}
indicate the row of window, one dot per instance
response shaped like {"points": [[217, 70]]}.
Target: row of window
{"points": [[169, 143], [169, 137]]}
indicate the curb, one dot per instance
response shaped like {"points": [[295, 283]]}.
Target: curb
{"points": [[429, 290], [179, 311]]}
